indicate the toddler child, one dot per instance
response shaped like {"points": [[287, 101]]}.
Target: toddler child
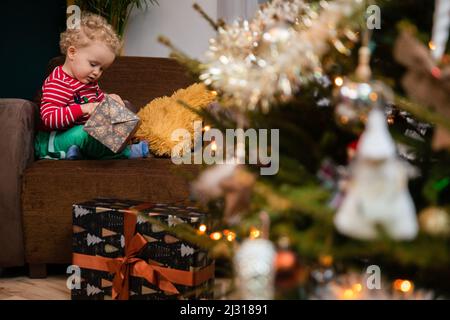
{"points": [[71, 93]]}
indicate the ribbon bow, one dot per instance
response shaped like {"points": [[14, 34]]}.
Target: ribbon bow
{"points": [[128, 265]]}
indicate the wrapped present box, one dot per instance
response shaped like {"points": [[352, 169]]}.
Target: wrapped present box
{"points": [[122, 255], [112, 124]]}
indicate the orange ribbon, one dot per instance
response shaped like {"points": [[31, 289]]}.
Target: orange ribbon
{"points": [[130, 264]]}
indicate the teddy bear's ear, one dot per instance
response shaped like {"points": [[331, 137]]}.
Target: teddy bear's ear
{"points": [[164, 115]]}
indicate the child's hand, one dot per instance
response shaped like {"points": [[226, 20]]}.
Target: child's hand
{"points": [[117, 98], [88, 108]]}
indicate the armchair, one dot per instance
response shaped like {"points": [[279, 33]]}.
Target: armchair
{"points": [[36, 197]]}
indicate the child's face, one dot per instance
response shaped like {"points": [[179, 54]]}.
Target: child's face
{"points": [[88, 63]]}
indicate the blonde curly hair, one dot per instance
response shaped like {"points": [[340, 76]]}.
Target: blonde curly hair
{"points": [[92, 28]]}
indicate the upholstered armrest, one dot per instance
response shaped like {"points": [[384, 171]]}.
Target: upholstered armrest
{"points": [[17, 118]]}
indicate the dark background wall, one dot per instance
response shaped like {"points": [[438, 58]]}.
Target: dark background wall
{"points": [[30, 38]]}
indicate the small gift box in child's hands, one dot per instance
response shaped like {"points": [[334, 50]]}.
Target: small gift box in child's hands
{"points": [[121, 255], [112, 124]]}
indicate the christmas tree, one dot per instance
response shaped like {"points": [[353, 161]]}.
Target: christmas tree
{"points": [[357, 94]]}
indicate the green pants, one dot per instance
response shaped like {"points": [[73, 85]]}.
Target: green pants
{"points": [[54, 145]]}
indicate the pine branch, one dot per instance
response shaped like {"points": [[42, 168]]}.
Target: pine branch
{"points": [[301, 199], [183, 231], [421, 112], [193, 66], [214, 25]]}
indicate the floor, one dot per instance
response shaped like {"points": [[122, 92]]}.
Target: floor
{"points": [[16, 285], [24, 288]]}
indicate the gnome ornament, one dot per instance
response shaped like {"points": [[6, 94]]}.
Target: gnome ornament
{"points": [[377, 196]]}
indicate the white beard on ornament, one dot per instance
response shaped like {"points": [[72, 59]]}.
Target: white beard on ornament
{"points": [[378, 197]]}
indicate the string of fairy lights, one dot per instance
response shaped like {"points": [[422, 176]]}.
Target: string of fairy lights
{"points": [[402, 289], [226, 234]]}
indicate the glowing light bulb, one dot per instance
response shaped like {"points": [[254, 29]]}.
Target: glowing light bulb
{"points": [[390, 120], [326, 260], [202, 228], [404, 286], [338, 81], [348, 294], [343, 119], [229, 235], [373, 96], [357, 287], [207, 128], [255, 233], [431, 45], [216, 236]]}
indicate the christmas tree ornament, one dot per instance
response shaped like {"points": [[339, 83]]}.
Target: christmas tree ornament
{"points": [[356, 98], [238, 190], [208, 185], [324, 272], [441, 28], [435, 221], [425, 82], [290, 274], [254, 265], [378, 193], [258, 63], [293, 12], [285, 258], [230, 181], [363, 71]]}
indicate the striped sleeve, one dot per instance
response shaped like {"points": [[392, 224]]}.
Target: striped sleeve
{"points": [[101, 95], [56, 110]]}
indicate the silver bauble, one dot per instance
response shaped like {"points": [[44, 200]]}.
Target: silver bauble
{"points": [[354, 100]]}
